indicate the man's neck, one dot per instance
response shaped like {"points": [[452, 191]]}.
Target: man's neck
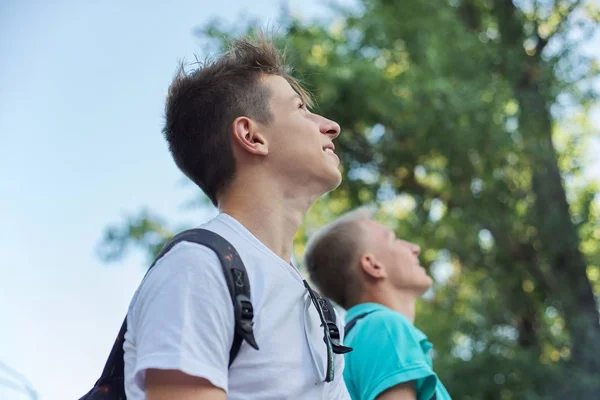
{"points": [[404, 303], [271, 215]]}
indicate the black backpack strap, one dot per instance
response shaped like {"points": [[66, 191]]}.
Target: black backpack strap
{"points": [[353, 321], [237, 283], [331, 321], [236, 278], [111, 383]]}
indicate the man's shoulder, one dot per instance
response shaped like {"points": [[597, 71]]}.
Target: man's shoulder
{"points": [[377, 314], [193, 264], [186, 264], [231, 230], [190, 252], [390, 341], [184, 255], [393, 318], [384, 323]]}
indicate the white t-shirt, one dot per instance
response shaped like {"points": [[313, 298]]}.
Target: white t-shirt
{"points": [[181, 318]]}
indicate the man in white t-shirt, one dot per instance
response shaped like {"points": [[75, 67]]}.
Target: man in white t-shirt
{"points": [[240, 128]]}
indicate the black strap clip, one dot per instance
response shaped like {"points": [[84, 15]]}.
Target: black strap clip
{"points": [[334, 335], [244, 313]]}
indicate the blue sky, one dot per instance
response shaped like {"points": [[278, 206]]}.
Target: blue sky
{"points": [[82, 87]]}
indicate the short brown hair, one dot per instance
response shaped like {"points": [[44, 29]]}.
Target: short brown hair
{"points": [[332, 254], [203, 103]]}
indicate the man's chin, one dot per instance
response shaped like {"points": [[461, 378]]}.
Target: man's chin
{"points": [[426, 285], [333, 181]]}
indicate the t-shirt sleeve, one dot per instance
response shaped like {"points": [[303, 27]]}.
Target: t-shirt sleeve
{"points": [[387, 353], [182, 318]]}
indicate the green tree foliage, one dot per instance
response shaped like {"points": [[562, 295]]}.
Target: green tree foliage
{"points": [[466, 122]]}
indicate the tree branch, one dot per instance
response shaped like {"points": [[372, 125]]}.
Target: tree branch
{"points": [[525, 253], [470, 15], [517, 250], [536, 24], [542, 42]]}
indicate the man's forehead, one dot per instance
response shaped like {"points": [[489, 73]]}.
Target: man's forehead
{"points": [[375, 226], [280, 88]]}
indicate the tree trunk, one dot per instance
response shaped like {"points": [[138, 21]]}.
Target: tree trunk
{"points": [[531, 75], [559, 236]]}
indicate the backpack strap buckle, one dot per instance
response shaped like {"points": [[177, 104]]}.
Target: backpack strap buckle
{"points": [[334, 335], [331, 321], [244, 313]]}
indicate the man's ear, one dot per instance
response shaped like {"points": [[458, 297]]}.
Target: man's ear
{"points": [[247, 134], [372, 267]]}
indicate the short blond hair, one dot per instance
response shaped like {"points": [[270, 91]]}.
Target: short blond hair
{"points": [[332, 254]]}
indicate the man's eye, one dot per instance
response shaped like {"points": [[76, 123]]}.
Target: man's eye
{"points": [[302, 105]]}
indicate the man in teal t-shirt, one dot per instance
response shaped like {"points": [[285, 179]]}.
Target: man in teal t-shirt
{"points": [[388, 351], [362, 266]]}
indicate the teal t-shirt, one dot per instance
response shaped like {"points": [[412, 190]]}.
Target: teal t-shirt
{"points": [[388, 350]]}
